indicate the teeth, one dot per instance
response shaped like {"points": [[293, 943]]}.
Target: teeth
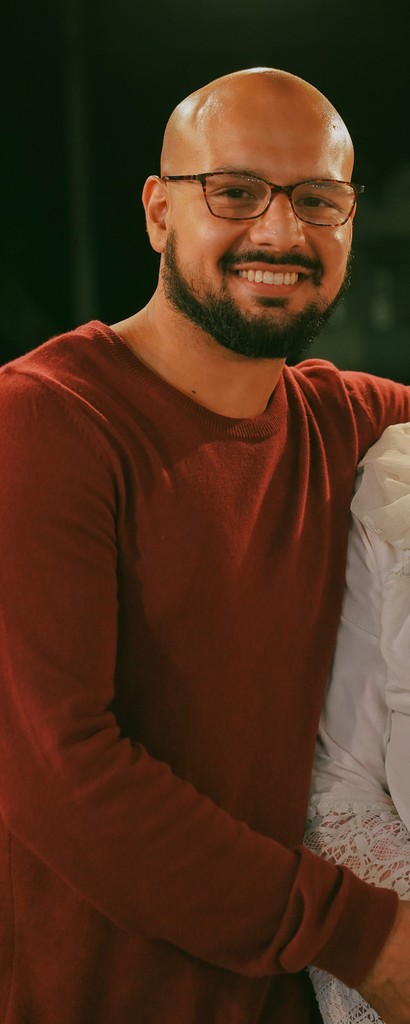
{"points": [[268, 277]]}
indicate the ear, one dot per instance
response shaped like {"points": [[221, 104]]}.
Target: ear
{"points": [[155, 200]]}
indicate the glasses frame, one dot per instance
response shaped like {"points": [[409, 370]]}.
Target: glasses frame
{"points": [[274, 191]]}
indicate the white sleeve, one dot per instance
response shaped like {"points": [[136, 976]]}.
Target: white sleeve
{"points": [[395, 646], [353, 729], [382, 503]]}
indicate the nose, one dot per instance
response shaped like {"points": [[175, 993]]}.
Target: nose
{"points": [[279, 226]]}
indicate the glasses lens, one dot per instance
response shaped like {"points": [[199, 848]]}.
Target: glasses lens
{"points": [[323, 202], [236, 196]]}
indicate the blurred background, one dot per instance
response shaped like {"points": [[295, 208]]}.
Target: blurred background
{"points": [[89, 87]]}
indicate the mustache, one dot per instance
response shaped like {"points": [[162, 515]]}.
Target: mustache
{"points": [[257, 256]]}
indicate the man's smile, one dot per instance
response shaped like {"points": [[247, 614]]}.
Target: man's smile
{"points": [[265, 274], [264, 279], [268, 277]]}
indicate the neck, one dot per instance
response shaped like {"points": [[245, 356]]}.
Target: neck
{"points": [[195, 364]]}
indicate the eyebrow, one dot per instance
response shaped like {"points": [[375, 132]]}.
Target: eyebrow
{"points": [[237, 170]]}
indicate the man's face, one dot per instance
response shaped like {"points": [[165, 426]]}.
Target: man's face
{"points": [[206, 260]]}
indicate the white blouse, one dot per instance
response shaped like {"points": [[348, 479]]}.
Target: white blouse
{"points": [[363, 747]]}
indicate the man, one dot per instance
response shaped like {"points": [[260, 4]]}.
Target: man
{"points": [[174, 525]]}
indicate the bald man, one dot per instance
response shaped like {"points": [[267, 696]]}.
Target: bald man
{"points": [[174, 526]]}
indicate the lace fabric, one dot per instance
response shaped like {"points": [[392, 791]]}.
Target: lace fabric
{"points": [[372, 841]]}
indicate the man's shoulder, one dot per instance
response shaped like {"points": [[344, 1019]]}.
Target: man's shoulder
{"points": [[342, 397], [69, 374], [324, 377], [85, 363], [326, 373], [61, 352], [68, 393]]}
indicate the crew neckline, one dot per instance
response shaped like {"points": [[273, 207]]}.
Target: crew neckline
{"points": [[265, 424]]}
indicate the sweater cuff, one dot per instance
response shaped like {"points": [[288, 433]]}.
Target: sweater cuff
{"points": [[352, 949]]}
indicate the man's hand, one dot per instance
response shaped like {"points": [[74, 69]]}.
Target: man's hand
{"points": [[387, 986]]}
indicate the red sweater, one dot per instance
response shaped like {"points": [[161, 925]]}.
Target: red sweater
{"points": [[170, 586]]}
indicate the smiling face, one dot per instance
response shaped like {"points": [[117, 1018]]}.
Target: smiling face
{"points": [[274, 278]]}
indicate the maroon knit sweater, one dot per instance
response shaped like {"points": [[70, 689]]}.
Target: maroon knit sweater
{"points": [[170, 586]]}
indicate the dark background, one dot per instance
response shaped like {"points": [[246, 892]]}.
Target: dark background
{"points": [[89, 87]]}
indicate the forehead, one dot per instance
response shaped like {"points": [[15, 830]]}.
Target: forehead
{"points": [[278, 134]]}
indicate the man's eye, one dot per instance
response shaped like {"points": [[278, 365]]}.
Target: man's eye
{"points": [[314, 201], [236, 193]]}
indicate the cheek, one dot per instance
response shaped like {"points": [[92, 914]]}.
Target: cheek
{"points": [[336, 252], [202, 237], [215, 237]]}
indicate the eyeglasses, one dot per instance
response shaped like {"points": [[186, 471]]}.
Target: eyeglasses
{"points": [[231, 195]]}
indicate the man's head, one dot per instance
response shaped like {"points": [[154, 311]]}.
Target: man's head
{"points": [[276, 127]]}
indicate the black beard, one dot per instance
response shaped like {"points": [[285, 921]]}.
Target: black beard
{"points": [[253, 336]]}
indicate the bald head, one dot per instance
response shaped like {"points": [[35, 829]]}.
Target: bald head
{"points": [[245, 103]]}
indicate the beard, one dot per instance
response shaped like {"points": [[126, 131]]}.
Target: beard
{"points": [[255, 336]]}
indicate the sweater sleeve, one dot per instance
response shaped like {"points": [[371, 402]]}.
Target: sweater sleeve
{"points": [[138, 844], [375, 402]]}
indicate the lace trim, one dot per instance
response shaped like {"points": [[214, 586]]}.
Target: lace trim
{"points": [[339, 1004], [372, 841], [321, 806], [402, 567], [370, 524]]}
